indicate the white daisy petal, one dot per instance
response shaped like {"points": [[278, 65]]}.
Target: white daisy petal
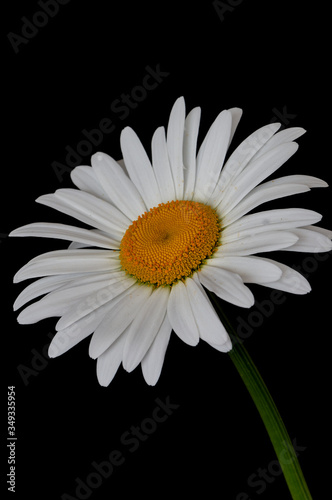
{"points": [[86, 213], [191, 127], [120, 189], [321, 230], [88, 205], [68, 337], [248, 148], [218, 336], [290, 281], [225, 347], [262, 194], [306, 180], [181, 315], [87, 278], [271, 190], [262, 242], [310, 241], [76, 244], [119, 316], [280, 219], [236, 117], [251, 269], [175, 131], [108, 363], [286, 135], [123, 166], [139, 168], [211, 156], [41, 287], [93, 301], [144, 328], [255, 173], [54, 304], [227, 285], [66, 232], [152, 362], [50, 200], [85, 179], [211, 329], [68, 262], [240, 158], [161, 166], [62, 299]]}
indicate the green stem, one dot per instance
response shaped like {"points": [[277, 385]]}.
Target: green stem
{"points": [[269, 413]]}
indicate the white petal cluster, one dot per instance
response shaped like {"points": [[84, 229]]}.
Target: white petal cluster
{"points": [[130, 322]]}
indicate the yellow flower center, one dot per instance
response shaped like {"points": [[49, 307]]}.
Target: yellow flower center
{"points": [[169, 242]]}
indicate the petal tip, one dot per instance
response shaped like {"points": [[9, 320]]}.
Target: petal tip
{"points": [[93, 350], [21, 319], [51, 354], [17, 277], [98, 157]]}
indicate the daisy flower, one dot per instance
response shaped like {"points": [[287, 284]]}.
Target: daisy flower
{"points": [[164, 229]]}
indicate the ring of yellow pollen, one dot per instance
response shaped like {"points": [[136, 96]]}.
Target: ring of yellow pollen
{"points": [[169, 242]]}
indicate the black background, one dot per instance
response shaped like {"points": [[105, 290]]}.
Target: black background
{"points": [[259, 56]]}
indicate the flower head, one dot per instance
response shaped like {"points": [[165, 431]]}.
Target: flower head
{"points": [[163, 230]]}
